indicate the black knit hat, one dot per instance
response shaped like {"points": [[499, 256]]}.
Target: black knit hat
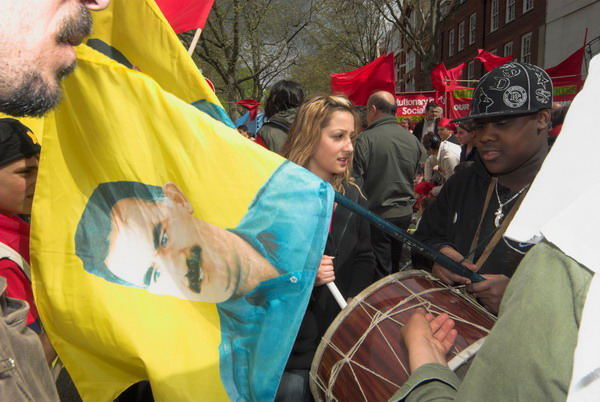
{"points": [[511, 89], [16, 142]]}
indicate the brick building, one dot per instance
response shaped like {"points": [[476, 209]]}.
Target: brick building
{"points": [[502, 27]]}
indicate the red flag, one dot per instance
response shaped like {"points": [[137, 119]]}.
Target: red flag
{"points": [[446, 80], [251, 105], [185, 15], [570, 68], [359, 84], [491, 61]]}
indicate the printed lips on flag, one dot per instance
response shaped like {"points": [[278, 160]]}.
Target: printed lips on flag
{"points": [[359, 84]]}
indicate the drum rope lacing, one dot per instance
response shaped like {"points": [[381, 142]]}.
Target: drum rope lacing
{"points": [[375, 321]]}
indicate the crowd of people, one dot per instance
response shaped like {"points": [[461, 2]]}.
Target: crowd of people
{"points": [[469, 178]]}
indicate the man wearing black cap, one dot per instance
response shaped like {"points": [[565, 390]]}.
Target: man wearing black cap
{"points": [[511, 110]]}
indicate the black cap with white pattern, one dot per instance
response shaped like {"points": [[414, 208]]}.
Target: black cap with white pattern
{"points": [[511, 89]]}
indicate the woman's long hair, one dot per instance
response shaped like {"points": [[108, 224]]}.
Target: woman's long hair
{"points": [[305, 134]]}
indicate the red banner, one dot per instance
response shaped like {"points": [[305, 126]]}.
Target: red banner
{"points": [[412, 104], [185, 15], [459, 103], [359, 84]]}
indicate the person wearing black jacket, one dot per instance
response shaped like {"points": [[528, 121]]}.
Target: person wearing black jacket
{"points": [[322, 140], [429, 122], [511, 111]]}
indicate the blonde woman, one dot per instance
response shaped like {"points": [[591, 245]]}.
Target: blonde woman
{"points": [[322, 140]]}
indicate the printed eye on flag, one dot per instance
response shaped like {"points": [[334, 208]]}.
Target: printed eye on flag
{"points": [[167, 247]]}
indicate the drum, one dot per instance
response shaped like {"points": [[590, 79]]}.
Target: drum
{"points": [[362, 358]]}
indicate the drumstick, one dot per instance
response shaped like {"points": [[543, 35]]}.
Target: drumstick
{"points": [[404, 237], [337, 295]]}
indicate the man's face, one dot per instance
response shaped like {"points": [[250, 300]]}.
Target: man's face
{"points": [[430, 114], [164, 249], [36, 50], [17, 184], [507, 143], [439, 112]]}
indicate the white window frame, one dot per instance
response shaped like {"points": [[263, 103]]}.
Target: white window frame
{"points": [[494, 52], [494, 15], [511, 11], [527, 5], [508, 49], [526, 47], [410, 85], [461, 36], [471, 70], [472, 28], [451, 42]]}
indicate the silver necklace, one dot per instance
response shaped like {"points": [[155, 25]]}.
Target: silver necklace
{"points": [[499, 214]]}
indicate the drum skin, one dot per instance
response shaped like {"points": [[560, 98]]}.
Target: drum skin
{"points": [[362, 358]]}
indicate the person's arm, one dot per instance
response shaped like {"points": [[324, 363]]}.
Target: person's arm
{"points": [[363, 268], [428, 339], [361, 157]]}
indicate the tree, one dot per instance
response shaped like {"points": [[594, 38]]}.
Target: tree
{"points": [[248, 44], [345, 35], [419, 23]]}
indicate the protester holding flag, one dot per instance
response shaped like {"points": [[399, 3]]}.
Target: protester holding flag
{"points": [[321, 140], [280, 108]]}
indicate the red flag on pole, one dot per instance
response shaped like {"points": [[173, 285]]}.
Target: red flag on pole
{"points": [[446, 80], [491, 61], [359, 84], [252, 106], [570, 68], [185, 15]]}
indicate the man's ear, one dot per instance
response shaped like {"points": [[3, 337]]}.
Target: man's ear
{"points": [[543, 119], [177, 197]]}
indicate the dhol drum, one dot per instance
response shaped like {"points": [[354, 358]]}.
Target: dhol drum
{"points": [[362, 358]]}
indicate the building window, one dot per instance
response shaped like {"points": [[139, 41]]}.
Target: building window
{"points": [[451, 43], [510, 10], [461, 36], [526, 48], [471, 70], [410, 85], [494, 52], [527, 5], [410, 60], [508, 49], [472, 28], [495, 15]]}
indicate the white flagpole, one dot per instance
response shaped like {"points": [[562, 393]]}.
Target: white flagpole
{"points": [[195, 41], [337, 295]]}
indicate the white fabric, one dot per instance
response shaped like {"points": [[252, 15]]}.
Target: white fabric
{"points": [[448, 158], [561, 207]]}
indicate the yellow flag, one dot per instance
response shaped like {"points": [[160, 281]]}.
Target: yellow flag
{"points": [[167, 247]]}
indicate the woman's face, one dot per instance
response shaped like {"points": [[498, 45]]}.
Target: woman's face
{"points": [[405, 123], [465, 137], [335, 147]]}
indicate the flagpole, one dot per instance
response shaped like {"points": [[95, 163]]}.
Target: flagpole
{"points": [[195, 41], [404, 237]]}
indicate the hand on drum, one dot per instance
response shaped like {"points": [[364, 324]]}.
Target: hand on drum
{"points": [[448, 277], [490, 291], [428, 339], [325, 272]]}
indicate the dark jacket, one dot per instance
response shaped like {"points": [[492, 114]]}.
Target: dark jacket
{"points": [[275, 131], [453, 217], [418, 130], [354, 265], [386, 156]]}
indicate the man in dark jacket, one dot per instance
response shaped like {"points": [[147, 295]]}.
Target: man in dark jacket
{"points": [[386, 157], [511, 110], [429, 123]]}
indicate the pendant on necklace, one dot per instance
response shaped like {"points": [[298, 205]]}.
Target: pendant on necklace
{"points": [[499, 216]]}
